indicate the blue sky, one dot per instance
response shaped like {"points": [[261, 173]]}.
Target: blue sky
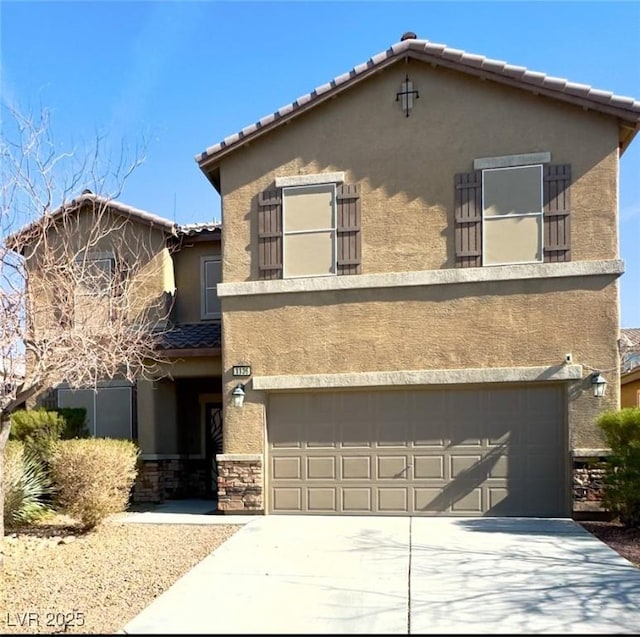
{"points": [[187, 74]]}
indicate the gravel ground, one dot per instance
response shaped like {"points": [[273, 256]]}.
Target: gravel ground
{"points": [[624, 541], [97, 582]]}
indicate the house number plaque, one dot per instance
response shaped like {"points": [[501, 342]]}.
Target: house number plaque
{"points": [[241, 370]]}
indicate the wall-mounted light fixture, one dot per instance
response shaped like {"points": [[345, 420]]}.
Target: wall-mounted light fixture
{"points": [[405, 95], [238, 395], [599, 384]]}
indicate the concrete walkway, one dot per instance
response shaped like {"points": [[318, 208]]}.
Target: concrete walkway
{"points": [[340, 575], [182, 512]]}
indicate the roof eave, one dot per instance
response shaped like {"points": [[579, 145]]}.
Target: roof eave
{"points": [[209, 163]]}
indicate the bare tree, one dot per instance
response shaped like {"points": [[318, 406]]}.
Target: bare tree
{"points": [[82, 297]]}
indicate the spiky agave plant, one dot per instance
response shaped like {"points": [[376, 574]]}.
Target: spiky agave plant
{"points": [[26, 484]]}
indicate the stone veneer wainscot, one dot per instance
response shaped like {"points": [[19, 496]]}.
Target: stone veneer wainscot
{"points": [[240, 483]]}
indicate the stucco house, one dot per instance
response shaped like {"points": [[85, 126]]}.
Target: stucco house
{"points": [[420, 284], [630, 368], [176, 414], [405, 308]]}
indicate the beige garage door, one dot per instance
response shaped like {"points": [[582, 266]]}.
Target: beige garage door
{"points": [[466, 452]]}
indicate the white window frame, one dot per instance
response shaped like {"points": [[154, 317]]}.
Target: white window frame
{"points": [[203, 286], [539, 214], [99, 258], [334, 229]]}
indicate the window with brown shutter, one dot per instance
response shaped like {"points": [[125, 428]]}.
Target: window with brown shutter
{"points": [[309, 231], [348, 229], [468, 221], [270, 234], [510, 215], [557, 229]]}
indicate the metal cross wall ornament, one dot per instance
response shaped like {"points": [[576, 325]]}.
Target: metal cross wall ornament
{"points": [[407, 94]]}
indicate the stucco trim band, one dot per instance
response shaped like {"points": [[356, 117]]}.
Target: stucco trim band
{"points": [[424, 277], [419, 377], [508, 161], [310, 180], [239, 457], [590, 453]]}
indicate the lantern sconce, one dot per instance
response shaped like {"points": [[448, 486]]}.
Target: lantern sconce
{"points": [[238, 394], [599, 384], [405, 95]]}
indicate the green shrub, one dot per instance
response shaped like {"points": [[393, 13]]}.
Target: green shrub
{"points": [[75, 422], [622, 478], [93, 478], [25, 485], [38, 429]]}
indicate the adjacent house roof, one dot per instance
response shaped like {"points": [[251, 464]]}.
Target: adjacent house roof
{"points": [[630, 349], [630, 337], [191, 336], [627, 109], [195, 229], [20, 238]]}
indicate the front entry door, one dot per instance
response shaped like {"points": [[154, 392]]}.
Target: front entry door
{"points": [[213, 422]]}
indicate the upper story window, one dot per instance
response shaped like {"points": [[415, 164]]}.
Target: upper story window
{"points": [[309, 225], [513, 209], [95, 276], [93, 291], [512, 215], [210, 276]]}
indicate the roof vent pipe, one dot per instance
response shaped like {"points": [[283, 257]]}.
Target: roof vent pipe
{"points": [[409, 35]]}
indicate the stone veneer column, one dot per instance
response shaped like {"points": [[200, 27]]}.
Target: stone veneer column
{"points": [[240, 483], [588, 484]]}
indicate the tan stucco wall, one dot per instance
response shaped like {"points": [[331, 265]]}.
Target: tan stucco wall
{"points": [[140, 246], [157, 417], [191, 367], [405, 166], [629, 393], [187, 267], [479, 325]]}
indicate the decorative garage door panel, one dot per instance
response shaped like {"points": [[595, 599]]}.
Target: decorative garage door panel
{"points": [[467, 452]]}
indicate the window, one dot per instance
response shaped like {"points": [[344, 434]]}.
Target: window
{"points": [[109, 409], [309, 230], [93, 290], [211, 275], [513, 209], [512, 215], [307, 226]]}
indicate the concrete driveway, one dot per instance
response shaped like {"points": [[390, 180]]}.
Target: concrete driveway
{"points": [[340, 575]]}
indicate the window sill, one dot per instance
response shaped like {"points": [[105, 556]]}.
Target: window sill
{"points": [[614, 267]]}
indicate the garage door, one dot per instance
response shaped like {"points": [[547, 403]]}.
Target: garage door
{"points": [[467, 452]]}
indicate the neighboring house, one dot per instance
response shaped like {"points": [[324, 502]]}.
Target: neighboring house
{"points": [[630, 388], [630, 348], [176, 417], [630, 377], [420, 273]]}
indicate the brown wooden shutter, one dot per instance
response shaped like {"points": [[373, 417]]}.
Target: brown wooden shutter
{"points": [[557, 229], [468, 219], [270, 234], [348, 229]]}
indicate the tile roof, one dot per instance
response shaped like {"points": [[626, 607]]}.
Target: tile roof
{"points": [[624, 107], [630, 337], [192, 229], [21, 237], [192, 336]]}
